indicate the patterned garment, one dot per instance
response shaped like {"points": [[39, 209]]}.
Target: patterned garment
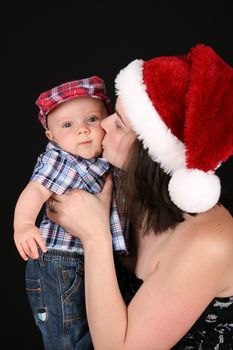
{"points": [[58, 171], [212, 331]]}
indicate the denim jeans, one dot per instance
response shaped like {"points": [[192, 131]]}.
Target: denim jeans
{"points": [[55, 289]]}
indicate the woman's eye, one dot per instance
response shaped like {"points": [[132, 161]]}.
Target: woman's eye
{"points": [[118, 125]]}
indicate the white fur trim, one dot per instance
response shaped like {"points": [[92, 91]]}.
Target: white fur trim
{"points": [[163, 147], [194, 191]]}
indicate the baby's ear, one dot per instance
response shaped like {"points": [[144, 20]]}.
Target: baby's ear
{"points": [[49, 135]]}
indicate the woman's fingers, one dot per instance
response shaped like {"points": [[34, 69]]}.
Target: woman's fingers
{"points": [[79, 211], [106, 193], [108, 186]]}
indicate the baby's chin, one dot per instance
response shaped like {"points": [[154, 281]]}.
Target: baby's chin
{"points": [[89, 155]]}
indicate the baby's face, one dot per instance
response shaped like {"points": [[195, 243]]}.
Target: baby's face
{"points": [[75, 126]]}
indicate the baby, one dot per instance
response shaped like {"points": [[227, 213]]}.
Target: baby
{"points": [[71, 114]]}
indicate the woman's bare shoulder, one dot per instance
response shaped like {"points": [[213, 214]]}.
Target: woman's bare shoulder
{"points": [[218, 220], [204, 243], [213, 231]]}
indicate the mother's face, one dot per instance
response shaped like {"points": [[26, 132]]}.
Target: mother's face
{"points": [[119, 137]]}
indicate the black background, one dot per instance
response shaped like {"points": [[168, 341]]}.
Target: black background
{"points": [[49, 46]]}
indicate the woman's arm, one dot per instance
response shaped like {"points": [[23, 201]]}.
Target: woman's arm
{"points": [[106, 310], [168, 302], [26, 234]]}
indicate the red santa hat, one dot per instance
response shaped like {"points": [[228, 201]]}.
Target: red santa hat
{"points": [[181, 107]]}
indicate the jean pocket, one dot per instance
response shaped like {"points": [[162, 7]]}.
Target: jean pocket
{"points": [[35, 297], [73, 297]]}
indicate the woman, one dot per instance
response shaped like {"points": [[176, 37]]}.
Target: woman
{"points": [[171, 129]]}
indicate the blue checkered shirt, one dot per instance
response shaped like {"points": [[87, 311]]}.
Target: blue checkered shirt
{"points": [[58, 171]]}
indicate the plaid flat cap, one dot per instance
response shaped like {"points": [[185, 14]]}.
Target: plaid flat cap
{"points": [[93, 87]]}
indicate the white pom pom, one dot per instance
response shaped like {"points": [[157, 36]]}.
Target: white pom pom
{"points": [[193, 190]]}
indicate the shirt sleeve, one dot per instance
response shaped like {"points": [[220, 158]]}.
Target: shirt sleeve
{"points": [[54, 171]]}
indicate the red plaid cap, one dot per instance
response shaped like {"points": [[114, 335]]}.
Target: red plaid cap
{"points": [[93, 87]]}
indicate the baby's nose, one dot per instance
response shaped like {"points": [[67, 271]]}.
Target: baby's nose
{"points": [[82, 130]]}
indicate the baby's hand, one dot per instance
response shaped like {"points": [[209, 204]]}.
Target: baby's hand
{"points": [[27, 240]]}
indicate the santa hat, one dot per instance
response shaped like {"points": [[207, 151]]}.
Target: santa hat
{"points": [[181, 107]]}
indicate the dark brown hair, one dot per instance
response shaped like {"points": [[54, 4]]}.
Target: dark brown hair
{"points": [[145, 187]]}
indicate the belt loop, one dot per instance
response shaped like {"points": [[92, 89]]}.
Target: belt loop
{"points": [[81, 266], [41, 258]]}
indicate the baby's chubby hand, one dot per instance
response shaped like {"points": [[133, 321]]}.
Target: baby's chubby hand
{"points": [[27, 240]]}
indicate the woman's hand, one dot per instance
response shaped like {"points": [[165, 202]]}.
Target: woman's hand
{"points": [[82, 214]]}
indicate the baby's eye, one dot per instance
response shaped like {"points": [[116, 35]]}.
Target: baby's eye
{"points": [[92, 119], [67, 125]]}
